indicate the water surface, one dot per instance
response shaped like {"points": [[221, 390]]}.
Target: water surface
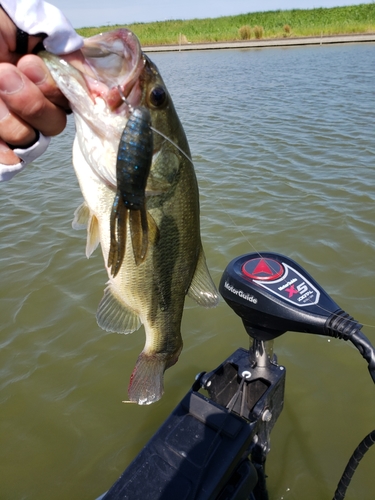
{"points": [[283, 145]]}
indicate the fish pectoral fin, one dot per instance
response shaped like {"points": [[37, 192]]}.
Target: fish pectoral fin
{"points": [[81, 217], [113, 315], [93, 236], [84, 219], [118, 228], [202, 289], [138, 222]]}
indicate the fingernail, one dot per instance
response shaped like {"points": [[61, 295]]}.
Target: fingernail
{"points": [[4, 111], [10, 83]]}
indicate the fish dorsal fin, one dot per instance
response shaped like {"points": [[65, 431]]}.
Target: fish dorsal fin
{"points": [[93, 236], [202, 288], [113, 315], [81, 217]]}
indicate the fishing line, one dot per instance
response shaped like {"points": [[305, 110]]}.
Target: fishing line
{"points": [[131, 108]]}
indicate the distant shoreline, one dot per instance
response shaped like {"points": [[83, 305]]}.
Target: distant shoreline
{"points": [[271, 42]]}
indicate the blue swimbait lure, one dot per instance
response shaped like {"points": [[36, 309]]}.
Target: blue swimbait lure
{"points": [[133, 165]]}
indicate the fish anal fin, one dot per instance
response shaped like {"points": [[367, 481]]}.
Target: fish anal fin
{"points": [[202, 289], [113, 315], [93, 236], [81, 217]]}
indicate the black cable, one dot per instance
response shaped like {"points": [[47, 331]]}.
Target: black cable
{"points": [[354, 460], [362, 343], [341, 325]]}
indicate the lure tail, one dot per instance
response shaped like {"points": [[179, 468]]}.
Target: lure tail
{"points": [[143, 231], [118, 228], [139, 233]]}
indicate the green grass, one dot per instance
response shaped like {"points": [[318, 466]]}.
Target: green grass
{"points": [[302, 22]]}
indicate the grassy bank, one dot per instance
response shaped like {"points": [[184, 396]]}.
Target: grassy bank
{"points": [[273, 24]]}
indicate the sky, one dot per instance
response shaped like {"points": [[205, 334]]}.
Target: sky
{"points": [[85, 13]]}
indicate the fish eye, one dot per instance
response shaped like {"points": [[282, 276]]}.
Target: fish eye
{"points": [[158, 96]]}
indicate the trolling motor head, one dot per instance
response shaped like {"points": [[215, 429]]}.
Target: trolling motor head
{"points": [[272, 294]]}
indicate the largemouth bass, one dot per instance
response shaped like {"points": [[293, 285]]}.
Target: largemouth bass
{"points": [[119, 79]]}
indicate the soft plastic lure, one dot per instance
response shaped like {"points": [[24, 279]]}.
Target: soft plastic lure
{"points": [[133, 165]]}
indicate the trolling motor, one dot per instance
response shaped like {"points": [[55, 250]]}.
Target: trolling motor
{"points": [[214, 444], [273, 294]]}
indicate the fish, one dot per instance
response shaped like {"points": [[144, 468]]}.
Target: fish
{"points": [[115, 80]]}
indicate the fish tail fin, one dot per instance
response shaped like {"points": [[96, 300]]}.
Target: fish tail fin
{"points": [[118, 230], [146, 382]]}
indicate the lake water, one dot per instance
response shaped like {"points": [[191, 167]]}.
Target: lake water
{"points": [[283, 146]]}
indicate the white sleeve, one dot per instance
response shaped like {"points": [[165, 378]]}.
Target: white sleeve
{"points": [[26, 155], [38, 16]]}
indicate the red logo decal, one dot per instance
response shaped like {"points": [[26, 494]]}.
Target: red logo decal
{"points": [[291, 290], [263, 268]]}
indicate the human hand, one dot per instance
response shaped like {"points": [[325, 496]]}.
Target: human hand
{"points": [[30, 101]]}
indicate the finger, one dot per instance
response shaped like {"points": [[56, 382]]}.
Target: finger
{"points": [[14, 130], [37, 72], [7, 156], [26, 102]]}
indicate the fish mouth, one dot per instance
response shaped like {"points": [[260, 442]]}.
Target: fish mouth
{"points": [[111, 66]]}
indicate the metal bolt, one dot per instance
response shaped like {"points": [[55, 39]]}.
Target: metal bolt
{"points": [[266, 416]]}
